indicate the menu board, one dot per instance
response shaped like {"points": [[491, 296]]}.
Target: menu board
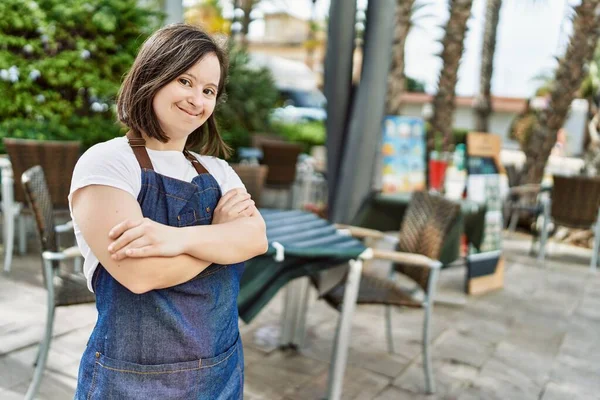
{"points": [[485, 269], [403, 154]]}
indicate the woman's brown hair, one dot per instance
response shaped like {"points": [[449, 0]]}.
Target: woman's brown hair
{"points": [[165, 55]]}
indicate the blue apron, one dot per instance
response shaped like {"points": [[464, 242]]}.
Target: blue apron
{"points": [[181, 342]]}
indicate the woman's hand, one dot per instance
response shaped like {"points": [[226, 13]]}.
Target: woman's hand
{"points": [[232, 205], [144, 238]]}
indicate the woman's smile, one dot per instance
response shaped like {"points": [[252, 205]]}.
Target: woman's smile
{"points": [[191, 114]]}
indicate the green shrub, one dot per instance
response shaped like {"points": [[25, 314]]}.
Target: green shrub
{"points": [[309, 133], [61, 64]]}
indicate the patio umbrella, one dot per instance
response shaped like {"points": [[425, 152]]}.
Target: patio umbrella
{"points": [[353, 133], [338, 85]]}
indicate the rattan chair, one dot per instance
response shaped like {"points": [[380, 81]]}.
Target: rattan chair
{"points": [[253, 177], [64, 287], [58, 159], [426, 223], [281, 158], [574, 203]]}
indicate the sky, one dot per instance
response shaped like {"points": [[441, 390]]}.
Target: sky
{"points": [[531, 34]]}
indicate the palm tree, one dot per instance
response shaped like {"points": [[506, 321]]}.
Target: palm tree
{"points": [[483, 105], [569, 75], [397, 78], [443, 102]]}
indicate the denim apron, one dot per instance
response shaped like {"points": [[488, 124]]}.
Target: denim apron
{"points": [[181, 342]]}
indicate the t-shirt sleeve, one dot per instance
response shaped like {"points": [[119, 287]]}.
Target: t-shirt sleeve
{"points": [[109, 166], [231, 179]]}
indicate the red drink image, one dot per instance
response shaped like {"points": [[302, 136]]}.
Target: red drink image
{"points": [[437, 171]]}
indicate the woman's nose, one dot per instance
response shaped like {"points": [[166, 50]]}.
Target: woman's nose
{"points": [[197, 100]]}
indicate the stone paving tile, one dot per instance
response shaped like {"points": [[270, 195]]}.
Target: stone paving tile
{"points": [[358, 384], [451, 378], [497, 380], [535, 339], [567, 390]]}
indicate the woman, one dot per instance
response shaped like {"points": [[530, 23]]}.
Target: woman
{"points": [[163, 248]]}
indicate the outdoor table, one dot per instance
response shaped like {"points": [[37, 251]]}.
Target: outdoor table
{"points": [[300, 245], [384, 212]]}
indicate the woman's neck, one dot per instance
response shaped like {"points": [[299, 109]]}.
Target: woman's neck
{"points": [[172, 145]]}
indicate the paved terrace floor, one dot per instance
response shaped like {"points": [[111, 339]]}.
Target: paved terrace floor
{"points": [[538, 338]]}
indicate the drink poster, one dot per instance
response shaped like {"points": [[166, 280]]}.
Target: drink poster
{"points": [[403, 154]]}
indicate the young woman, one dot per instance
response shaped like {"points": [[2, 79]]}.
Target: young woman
{"points": [[164, 232]]}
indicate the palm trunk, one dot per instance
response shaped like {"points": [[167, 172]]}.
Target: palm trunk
{"points": [[483, 106], [443, 102], [397, 78], [569, 75]]}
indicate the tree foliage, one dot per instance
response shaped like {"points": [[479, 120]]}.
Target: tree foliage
{"points": [[61, 64]]}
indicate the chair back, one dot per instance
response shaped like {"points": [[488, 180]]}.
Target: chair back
{"points": [[68, 287], [424, 227], [40, 201], [57, 159], [575, 200], [281, 158], [257, 139], [253, 177]]}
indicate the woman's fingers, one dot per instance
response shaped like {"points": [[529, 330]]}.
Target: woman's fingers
{"points": [[126, 250], [241, 206], [141, 252], [231, 201], [125, 238], [118, 229]]}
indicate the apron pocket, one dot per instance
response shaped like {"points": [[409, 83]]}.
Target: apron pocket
{"points": [[209, 378], [187, 219]]}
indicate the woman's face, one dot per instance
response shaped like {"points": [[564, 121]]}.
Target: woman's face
{"points": [[184, 104]]}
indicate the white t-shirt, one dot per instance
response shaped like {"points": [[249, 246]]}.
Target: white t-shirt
{"points": [[113, 163]]}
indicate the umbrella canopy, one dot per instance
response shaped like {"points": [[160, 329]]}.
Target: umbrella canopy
{"points": [[338, 85], [354, 122]]}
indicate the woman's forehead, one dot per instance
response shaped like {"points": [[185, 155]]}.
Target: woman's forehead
{"points": [[206, 70]]}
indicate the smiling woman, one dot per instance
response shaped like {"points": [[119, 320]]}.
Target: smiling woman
{"points": [[165, 232]]}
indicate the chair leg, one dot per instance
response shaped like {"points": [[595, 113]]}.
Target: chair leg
{"points": [[596, 230], [78, 264], [22, 235], [9, 238], [429, 380], [388, 329], [514, 219], [544, 234], [429, 298], [342, 337], [45, 343], [388, 320]]}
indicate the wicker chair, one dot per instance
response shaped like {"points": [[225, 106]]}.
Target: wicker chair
{"points": [[58, 159], [253, 177], [64, 288], [419, 244], [574, 203], [281, 158]]}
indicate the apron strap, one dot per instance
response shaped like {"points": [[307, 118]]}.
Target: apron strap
{"points": [[138, 145], [199, 167]]}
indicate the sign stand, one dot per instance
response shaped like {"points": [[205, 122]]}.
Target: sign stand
{"points": [[485, 269]]}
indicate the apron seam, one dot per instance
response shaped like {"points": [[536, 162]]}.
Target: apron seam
{"points": [[167, 372]]}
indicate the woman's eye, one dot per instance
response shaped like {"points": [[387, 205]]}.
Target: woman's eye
{"points": [[210, 92], [185, 82]]}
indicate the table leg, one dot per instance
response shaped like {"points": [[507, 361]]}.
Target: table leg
{"points": [[342, 342], [289, 317], [300, 323]]}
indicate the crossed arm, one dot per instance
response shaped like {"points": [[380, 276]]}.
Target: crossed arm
{"points": [[144, 255]]}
